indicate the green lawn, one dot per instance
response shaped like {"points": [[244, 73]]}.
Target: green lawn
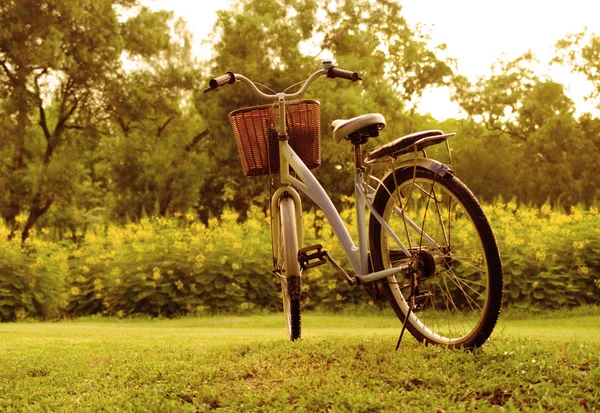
{"points": [[344, 363]]}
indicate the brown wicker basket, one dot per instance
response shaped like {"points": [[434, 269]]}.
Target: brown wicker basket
{"points": [[254, 130]]}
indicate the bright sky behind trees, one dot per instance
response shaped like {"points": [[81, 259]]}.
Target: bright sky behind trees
{"points": [[476, 34]]}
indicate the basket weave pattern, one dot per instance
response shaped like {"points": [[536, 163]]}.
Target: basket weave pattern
{"points": [[254, 130]]}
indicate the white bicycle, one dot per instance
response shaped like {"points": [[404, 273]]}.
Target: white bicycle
{"points": [[427, 248]]}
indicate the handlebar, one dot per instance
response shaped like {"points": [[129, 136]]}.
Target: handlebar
{"points": [[334, 72], [221, 80], [331, 72]]}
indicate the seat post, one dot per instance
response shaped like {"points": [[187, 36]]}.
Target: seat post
{"points": [[358, 161], [361, 219]]}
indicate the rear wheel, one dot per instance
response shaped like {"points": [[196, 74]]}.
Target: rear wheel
{"points": [[289, 268], [453, 286]]}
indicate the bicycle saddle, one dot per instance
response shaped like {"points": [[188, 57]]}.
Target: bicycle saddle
{"points": [[359, 128]]}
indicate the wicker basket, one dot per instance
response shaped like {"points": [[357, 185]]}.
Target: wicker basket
{"points": [[254, 130]]}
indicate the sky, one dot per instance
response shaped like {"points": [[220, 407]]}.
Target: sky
{"points": [[476, 33]]}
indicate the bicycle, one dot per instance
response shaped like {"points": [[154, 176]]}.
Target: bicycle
{"points": [[428, 247]]}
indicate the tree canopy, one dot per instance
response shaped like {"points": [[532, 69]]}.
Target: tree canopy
{"points": [[102, 114]]}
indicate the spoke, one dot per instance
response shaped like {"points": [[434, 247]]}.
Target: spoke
{"points": [[451, 300], [463, 281], [467, 296], [454, 257], [437, 206]]}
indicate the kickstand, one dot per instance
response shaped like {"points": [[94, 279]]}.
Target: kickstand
{"points": [[411, 304], [403, 327]]}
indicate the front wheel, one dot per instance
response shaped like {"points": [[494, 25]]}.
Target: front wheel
{"points": [[452, 289], [289, 268]]}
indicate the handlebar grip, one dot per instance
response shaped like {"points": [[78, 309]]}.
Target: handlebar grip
{"points": [[221, 80], [334, 72]]}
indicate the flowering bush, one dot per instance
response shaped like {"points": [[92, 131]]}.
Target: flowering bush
{"points": [[168, 267], [551, 258], [174, 266], [31, 278]]}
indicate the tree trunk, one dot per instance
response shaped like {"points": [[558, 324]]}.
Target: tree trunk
{"points": [[22, 106], [36, 212], [165, 200]]}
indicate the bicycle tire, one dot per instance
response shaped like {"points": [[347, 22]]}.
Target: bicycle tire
{"points": [[460, 294], [289, 266]]}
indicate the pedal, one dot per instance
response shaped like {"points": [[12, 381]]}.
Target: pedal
{"points": [[420, 300], [312, 256]]}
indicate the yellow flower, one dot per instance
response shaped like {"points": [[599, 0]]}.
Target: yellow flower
{"points": [[74, 291], [21, 218], [584, 270], [546, 210]]}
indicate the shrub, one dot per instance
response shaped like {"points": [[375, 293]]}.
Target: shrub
{"points": [[31, 279], [551, 259], [169, 267], [175, 266]]}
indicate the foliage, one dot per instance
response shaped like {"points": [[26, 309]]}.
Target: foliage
{"points": [[551, 258], [31, 279], [175, 266], [59, 60], [101, 113], [171, 267], [581, 51], [529, 124]]}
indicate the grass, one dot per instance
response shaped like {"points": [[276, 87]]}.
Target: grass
{"points": [[344, 363]]}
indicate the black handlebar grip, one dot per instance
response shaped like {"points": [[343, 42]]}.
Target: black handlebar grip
{"points": [[221, 80], [334, 72]]}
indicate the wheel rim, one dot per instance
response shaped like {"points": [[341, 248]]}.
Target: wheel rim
{"points": [[459, 286]]}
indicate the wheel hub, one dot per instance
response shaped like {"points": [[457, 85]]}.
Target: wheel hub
{"points": [[424, 264]]}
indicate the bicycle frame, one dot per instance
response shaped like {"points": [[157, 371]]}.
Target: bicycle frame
{"points": [[306, 182], [310, 186]]}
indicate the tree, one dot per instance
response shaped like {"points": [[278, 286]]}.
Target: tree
{"points": [[153, 161], [55, 58], [280, 41], [581, 51], [531, 121]]}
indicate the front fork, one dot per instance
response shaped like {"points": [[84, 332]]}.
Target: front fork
{"points": [[282, 192]]}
